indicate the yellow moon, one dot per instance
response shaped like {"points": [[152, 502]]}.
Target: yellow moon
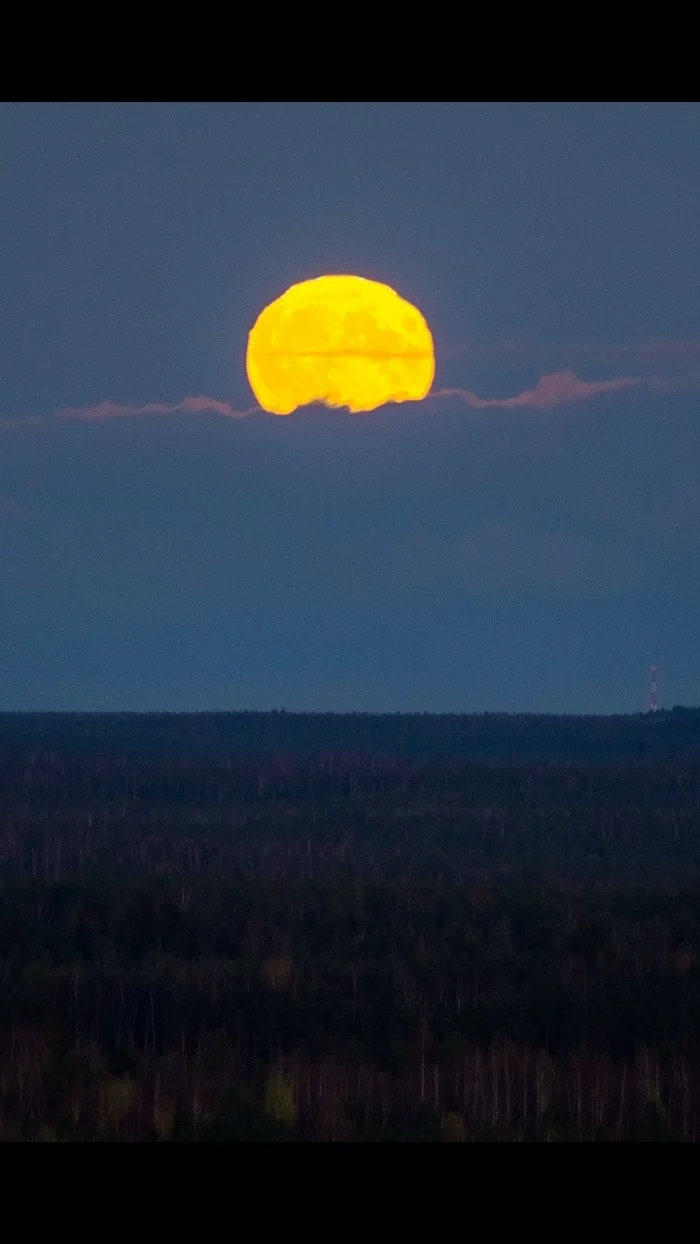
{"points": [[340, 340]]}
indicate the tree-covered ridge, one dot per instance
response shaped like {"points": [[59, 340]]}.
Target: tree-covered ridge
{"points": [[422, 736]]}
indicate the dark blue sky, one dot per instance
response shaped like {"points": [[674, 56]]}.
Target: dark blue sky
{"points": [[430, 556]]}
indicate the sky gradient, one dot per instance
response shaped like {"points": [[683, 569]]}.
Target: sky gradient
{"points": [[528, 539]]}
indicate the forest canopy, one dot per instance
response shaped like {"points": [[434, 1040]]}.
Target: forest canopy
{"points": [[263, 944]]}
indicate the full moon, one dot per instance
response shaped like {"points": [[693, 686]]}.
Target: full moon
{"points": [[342, 341]]}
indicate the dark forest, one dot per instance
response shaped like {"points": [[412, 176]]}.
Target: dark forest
{"points": [[349, 928]]}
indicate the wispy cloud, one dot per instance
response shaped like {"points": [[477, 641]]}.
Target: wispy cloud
{"points": [[188, 406], [102, 411], [558, 388]]}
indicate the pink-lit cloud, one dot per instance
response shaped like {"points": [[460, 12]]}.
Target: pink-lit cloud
{"points": [[559, 388], [188, 406], [103, 411]]}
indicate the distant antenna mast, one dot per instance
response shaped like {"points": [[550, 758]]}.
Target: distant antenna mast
{"points": [[653, 700]]}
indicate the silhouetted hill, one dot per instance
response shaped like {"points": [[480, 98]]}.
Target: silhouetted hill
{"points": [[523, 738]]}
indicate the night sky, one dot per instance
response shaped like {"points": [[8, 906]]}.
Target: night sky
{"points": [[446, 555]]}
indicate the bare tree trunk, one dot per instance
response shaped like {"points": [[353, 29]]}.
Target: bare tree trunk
{"points": [[622, 1098], [525, 1093], [494, 1090]]}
